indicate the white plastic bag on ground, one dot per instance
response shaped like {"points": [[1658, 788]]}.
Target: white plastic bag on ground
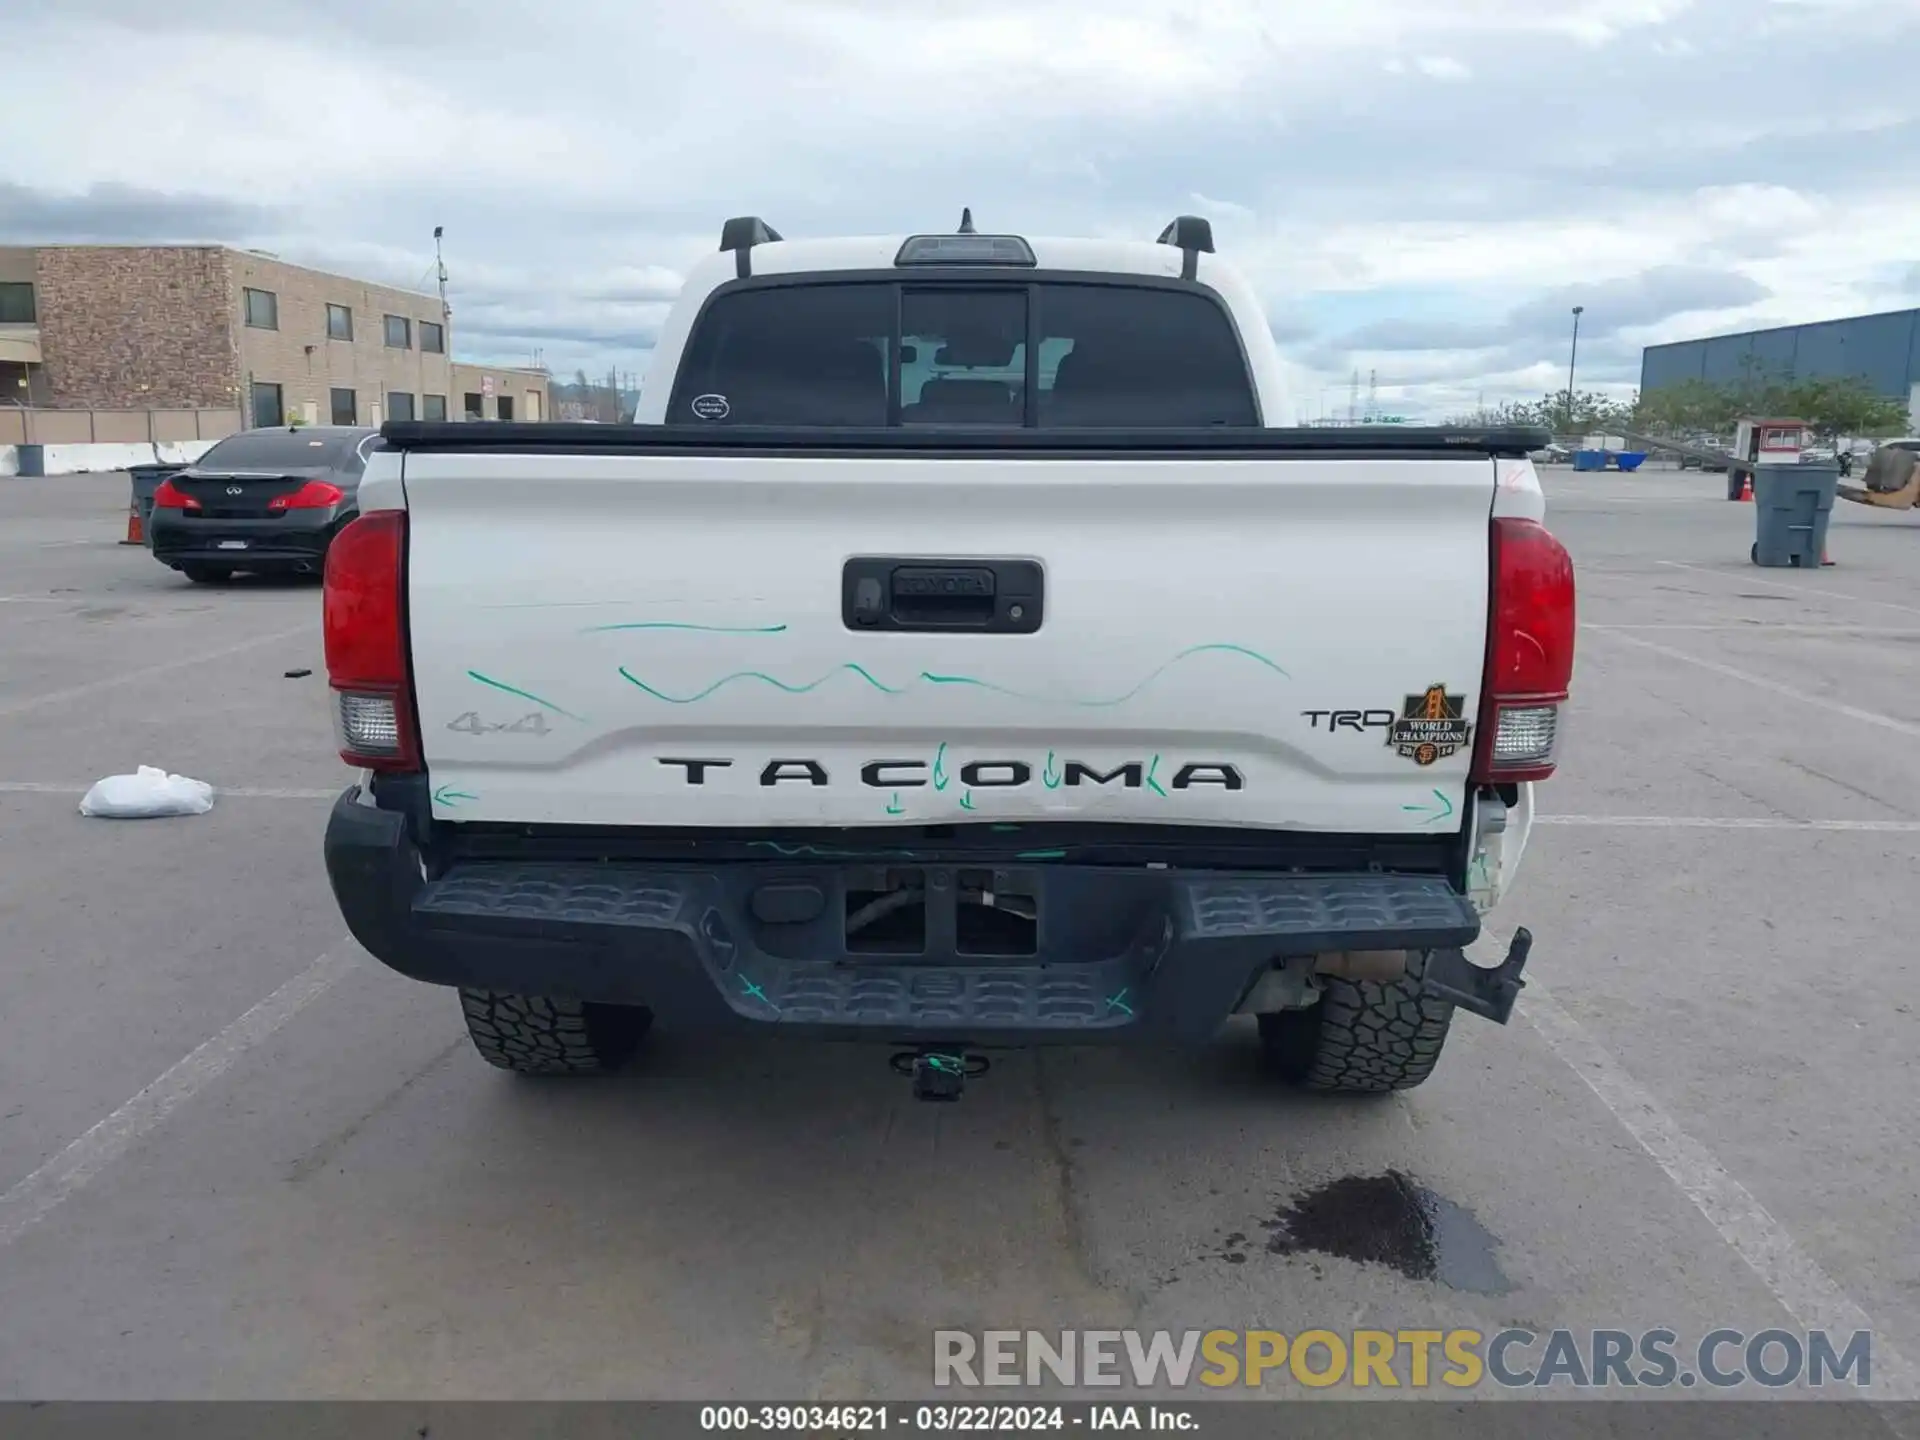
{"points": [[149, 793]]}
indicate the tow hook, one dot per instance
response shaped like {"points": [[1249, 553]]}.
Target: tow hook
{"points": [[1486, 992], [939, 1074]]}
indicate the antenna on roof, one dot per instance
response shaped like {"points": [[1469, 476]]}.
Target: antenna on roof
{"points": [[966, 221]]}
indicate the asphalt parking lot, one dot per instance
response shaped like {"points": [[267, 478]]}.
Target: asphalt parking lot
{"points": [[237, 1158]]}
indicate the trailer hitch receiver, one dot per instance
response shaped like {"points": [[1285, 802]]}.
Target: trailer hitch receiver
{"points": [[940, 1075]]}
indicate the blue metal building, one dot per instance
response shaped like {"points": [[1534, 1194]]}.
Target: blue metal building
{"points": [[1882, 349]]}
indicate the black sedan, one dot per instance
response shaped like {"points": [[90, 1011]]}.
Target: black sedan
{"points": [[266, 501]]}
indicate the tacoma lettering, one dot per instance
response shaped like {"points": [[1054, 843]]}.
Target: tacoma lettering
{"points": [[811, 771], [1131, 775], [975, 774]]}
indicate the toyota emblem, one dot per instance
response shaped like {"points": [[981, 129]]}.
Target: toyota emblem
{"points": [[235, 490]]}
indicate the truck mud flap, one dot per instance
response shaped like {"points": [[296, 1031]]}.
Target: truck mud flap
{"points": [[1489, 992]]}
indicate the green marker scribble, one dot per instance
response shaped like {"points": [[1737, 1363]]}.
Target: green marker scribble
{"points": [[929, 677], [1433, 816], [1003, 827], [754, 992], [1152, 784], [894, 807], [1119, 1001], [681, 625], [523, 694], [940, 767], [448, 796], [760, 675], [1041, 855], [1049, 775], [966, 801]]}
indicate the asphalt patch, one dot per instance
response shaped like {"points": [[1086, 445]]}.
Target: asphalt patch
{"points": [[1395, 1221]]}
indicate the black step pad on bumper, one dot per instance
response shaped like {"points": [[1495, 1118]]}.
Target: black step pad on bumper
{"points": [[1119, 951]]}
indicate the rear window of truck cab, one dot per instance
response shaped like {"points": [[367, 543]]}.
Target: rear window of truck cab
{"points": [[1051, 353]]}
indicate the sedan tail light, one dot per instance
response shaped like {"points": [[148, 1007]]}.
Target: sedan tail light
{"points": [[314, 495], [168, 496]]}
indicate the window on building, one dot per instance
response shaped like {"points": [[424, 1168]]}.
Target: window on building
{"points": [[346, 407], [503, 406], [399, 333], [268, 407], [433, 339], [433, 407], [399, 405], [475, 407], [16, 302], [263, 309], [339, 322]]}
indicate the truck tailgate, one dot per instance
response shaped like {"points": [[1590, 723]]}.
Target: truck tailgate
{"points": [[1290, 642]]}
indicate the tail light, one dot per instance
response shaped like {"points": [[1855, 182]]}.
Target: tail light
{"points": [[168, 496], [314, 495], [363, 611], [1529, 654]]}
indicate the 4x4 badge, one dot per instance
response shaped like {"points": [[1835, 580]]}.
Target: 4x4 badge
{"points": [[1431, 726]]}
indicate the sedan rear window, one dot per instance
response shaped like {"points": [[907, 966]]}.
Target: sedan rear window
{"points": [[278, 450], [871, 353]]}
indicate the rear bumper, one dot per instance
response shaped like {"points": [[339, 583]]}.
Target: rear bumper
{"points": [[300, 537], [1121, 953]]}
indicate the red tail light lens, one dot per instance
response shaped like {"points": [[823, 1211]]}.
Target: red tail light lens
{"points": [[314, 495], [168, 496], [1529, 654], [363, 617]]}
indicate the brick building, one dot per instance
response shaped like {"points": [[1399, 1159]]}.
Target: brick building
{"points": [[179, 327]]}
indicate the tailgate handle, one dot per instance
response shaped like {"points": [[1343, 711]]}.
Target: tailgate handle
{"points": [[962, 598], [993, 597]]}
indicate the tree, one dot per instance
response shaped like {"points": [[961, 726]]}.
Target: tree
{"points": [[1843, 406], [1833, 406]]}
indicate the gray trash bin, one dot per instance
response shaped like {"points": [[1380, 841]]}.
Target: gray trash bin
{"points": [[146, 479], [1791, 507]]}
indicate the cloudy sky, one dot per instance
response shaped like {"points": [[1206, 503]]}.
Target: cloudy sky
{"points": [[1420, 188]]}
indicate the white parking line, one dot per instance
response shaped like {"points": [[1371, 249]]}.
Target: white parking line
{"points": [[54, 1182], [1810, 1295], [1715, 822], [237, 792], [1744, 579], [1768, 627], [1761, 682], [127, 677]]}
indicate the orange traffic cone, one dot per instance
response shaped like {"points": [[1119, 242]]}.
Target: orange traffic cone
{"points": [[136, 533], [1746, 487]]}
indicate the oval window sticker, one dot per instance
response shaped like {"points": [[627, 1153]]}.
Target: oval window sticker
{"points": [[711, 407]]}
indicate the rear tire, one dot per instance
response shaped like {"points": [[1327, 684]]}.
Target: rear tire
{"points": [[541, 1035], [207, 574], [1364, 1037]]}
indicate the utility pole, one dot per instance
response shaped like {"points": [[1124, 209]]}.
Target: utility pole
{"points": [[440, 268], [1573, 358]]}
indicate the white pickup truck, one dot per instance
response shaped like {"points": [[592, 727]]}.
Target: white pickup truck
{"points": [[959, 652]]}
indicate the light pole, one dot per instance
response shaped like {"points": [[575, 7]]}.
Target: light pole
{"points": [[1572, 359]]}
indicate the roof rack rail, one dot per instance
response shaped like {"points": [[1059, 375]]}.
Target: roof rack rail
{"points": [[740, 235], [1192, 234]]}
